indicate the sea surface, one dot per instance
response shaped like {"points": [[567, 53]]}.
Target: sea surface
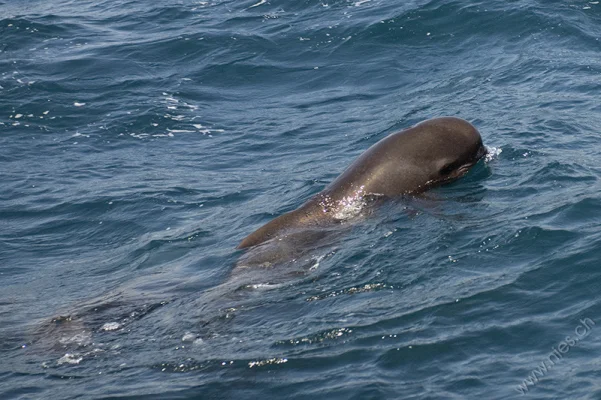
{"points": [[141, 141]]}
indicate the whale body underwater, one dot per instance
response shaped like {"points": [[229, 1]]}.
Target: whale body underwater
{"points": [[434, 152]]}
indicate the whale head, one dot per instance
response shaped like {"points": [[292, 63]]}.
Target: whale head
{"points": [[450, 146]]}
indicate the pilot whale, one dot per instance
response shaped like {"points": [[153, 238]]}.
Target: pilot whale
{"points": [[431, 153]]}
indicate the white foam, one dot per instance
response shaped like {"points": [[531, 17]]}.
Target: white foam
{"points": [[270, 361], [317, 261], [70, 359], [111, 326], [492, 153], [350, 206], [81, 339], [265, 286], [258, 4], [139, 135], [175, 117], [179, 131]]}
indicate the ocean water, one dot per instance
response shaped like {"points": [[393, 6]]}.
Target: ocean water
{"points": [[141, 141]]}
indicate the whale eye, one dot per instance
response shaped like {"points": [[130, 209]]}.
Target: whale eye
{"points": [[446, 169]]}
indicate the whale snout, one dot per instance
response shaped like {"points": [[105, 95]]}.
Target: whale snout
{"points": [[482, 151]]}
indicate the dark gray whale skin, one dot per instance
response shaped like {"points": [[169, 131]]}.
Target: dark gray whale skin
{"points": [[431, 153]]}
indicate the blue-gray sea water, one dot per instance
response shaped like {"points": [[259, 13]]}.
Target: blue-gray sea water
{"points": [[141, 141]]}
